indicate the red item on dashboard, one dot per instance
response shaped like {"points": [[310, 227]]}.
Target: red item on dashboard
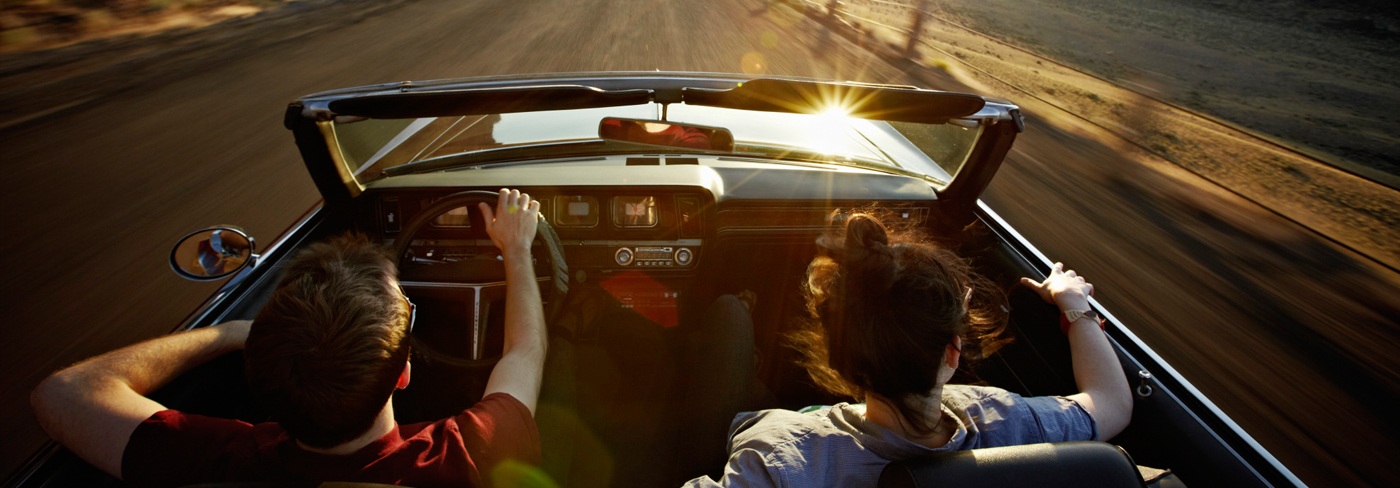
{"points": [[646, 296]]}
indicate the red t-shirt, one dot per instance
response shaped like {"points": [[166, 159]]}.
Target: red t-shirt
{"points": [[173, 448]]}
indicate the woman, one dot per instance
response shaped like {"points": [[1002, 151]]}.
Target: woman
{"points": [[893, 317]]}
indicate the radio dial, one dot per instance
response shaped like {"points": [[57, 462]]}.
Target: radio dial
{"points": [[623, 256], [683, 256]]}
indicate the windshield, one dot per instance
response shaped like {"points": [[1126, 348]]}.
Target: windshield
{"points": [[932, 151]]}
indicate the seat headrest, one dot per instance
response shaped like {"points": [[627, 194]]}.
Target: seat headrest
{"points": [[1033, 465]]}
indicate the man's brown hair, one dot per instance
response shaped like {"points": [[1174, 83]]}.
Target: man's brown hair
{"points": [[326, 351]]}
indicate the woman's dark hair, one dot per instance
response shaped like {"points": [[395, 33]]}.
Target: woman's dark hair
{"points": [[884, 308]]}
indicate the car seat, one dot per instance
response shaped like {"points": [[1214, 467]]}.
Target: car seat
{"points": [[1064, 464]]}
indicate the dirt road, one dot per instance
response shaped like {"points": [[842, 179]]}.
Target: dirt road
{"points": [[1290, 336]]}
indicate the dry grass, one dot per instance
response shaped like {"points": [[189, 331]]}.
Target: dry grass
{"points": [[37, 25], [1322, 76]]}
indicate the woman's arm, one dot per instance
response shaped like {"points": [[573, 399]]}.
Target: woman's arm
{"points": [[1103, 389], [93, 407]]}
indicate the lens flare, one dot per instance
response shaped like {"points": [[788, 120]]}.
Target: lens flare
{"points": [[753, 63], [768, 39]]}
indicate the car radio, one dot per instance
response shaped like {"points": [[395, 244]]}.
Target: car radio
{"points": [[654, 256]]}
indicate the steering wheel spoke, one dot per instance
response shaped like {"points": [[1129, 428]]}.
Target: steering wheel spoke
{"points": [[478, 299]]}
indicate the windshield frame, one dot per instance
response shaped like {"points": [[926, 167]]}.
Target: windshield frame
{"points": [[310, 119]]}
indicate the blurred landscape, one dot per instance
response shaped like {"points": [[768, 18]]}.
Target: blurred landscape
{"points": [[1317, 76], [35, 25], [1351, 200], [1235, 164]]}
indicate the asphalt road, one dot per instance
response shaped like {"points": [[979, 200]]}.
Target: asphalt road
{"points": [[1291, 336]]}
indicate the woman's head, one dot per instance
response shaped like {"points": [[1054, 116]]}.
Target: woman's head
{"points": [[886, 309]]}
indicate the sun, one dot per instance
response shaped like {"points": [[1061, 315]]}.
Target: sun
{"points": [[834, 112]]}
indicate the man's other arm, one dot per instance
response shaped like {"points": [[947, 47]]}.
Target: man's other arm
{"points": [[521, 369], [93, 407]]}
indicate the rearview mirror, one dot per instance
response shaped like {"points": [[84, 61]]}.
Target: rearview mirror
{"points": [[669, 134], [213, 253]]}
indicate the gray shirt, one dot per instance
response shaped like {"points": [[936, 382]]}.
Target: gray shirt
{"points": [[837, 446]]}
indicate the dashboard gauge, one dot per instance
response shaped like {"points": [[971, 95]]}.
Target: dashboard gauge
{"points": [[634, 211], [455, 218], [575, 211]]}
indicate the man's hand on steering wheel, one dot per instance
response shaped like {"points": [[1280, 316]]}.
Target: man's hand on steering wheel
{"points": [[512, 225]]}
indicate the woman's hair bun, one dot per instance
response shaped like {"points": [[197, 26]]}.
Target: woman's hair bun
{"points": [[864, 231], [866, 250]]}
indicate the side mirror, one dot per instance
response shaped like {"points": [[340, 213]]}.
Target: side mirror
{"points": [[213, 253], [669, 134]]}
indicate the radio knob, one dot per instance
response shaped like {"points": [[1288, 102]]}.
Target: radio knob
{"points": [[623, 256], [683, 256]]}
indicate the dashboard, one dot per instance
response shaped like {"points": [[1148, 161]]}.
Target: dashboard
{"points": [[662, 218], [654, 229], [645, 234]]}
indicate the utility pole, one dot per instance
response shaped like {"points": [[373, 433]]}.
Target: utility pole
{"points": [[920, 14]]}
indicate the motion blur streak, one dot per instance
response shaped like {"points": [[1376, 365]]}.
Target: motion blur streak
{"points": [[1292, 337]]}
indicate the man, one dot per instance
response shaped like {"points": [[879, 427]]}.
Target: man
{"points": [[323, 356]]}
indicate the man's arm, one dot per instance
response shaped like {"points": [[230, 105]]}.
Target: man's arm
{"points": [[521, 369], [93, 407], [1103, 388]]}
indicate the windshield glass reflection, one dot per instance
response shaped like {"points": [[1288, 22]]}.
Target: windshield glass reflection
{"points": [[369, 146]]}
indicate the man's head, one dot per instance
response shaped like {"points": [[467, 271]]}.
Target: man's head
{"points": [[328, 348]]}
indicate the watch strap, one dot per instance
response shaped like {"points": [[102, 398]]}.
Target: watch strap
{"points": [[1069, 316]]}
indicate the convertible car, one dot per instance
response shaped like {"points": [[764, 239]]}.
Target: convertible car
{"points": [[661, 192]]}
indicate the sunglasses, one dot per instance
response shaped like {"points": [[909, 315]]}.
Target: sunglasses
{"points": [[412, 310]]}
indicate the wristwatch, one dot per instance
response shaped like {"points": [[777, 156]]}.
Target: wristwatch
{"points": [[1069, 316]]}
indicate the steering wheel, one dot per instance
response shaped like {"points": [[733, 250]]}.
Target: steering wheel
{"points": [[483, 280]]}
